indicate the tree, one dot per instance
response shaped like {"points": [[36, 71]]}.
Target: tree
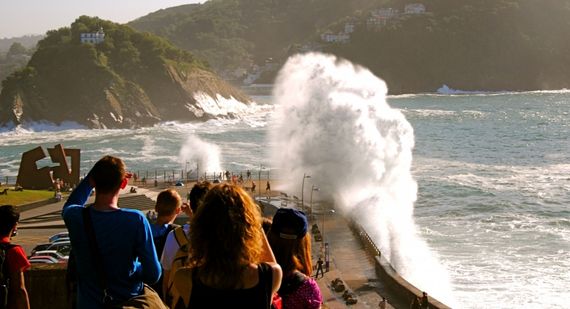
{"points": [[16, 50]]}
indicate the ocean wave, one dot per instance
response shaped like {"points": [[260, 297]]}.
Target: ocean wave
{"points": [[477, 93], [439, 113]]}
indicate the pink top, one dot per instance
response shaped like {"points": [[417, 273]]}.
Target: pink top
{"points": [[307, 296]]}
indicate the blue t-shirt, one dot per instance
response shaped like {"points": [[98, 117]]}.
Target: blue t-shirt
{"points": [[124, 239]]}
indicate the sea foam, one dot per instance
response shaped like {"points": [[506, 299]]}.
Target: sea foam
{"points": [[332, 122]]}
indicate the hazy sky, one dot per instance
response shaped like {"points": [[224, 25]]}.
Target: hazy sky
{"points": [[21, 17]]}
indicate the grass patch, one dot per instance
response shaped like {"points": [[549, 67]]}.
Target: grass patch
{"points": [[17, 198]]}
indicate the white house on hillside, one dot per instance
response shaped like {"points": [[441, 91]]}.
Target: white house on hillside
{"points": [[414, 8], [349, 27], [93, 37], [341, 37], [381, 17]]}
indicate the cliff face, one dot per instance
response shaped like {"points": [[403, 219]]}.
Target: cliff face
{"points": [[129, 80]]}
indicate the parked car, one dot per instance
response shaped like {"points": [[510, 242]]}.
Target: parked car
{"points": [[40, 247], [61, 240], [52, 253], [43, 259], [179, 183], [59, 236], [63, 247]]}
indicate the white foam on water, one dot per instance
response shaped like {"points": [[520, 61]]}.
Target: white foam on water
{"points": [[198, 152], [220, 107], [332, 122], [436, 113]]}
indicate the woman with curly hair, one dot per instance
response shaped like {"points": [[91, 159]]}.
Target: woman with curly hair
{"points": [[292, 246], [230, 263]]}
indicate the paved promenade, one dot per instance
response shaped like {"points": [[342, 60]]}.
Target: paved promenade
{"points": [[348, 260]]}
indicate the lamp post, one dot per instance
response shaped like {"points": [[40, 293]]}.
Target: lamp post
{"points": [[302, 189], [186, 170], [313, 188], [323, 231], [261, 167]]}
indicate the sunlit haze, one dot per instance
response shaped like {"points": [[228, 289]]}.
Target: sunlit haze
{"points": [[23, 17]]}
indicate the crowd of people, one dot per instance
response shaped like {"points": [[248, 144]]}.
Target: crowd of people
{"points": [[221, 258]]}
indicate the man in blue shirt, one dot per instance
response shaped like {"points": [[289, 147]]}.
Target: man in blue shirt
{"points": [[123, 236]]}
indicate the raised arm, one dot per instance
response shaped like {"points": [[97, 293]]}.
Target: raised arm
{"points": [[80, 195], [268, 256]]}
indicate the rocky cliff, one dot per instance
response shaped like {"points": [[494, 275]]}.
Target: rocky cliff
{"points": [[130, 79]]}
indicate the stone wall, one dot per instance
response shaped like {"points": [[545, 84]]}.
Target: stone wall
{"points": [[388, 275], [46, 286]]}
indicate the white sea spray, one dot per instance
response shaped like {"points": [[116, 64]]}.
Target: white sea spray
{"points": [[332, 122]]}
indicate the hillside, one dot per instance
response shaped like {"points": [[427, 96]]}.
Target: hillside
{"points": [[491, 45], [28, 41], [235, 34], [471, 45], [130, 79], [15, 58]]}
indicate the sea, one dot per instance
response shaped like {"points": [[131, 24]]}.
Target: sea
{"points": [[467, 194]]}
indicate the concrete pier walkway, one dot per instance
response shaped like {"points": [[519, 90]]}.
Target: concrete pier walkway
{"points": [[349, 262]]}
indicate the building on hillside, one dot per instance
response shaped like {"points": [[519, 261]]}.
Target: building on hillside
{"points": [[93, 37], [414, 8], [330, 37], [386, 13], [349, 27], [381, 17]]}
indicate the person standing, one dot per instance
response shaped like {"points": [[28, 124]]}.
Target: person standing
{"points": [[13, 261], [291, 243], [172, 244], [113, 247], [230, 262], [320, 267], [424, 301], [168, 206], [416, 303], [383, 303]]}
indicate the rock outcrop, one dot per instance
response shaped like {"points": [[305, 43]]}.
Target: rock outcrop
{"points": [[129, 80]]}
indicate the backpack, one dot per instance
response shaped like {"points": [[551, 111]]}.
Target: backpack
{"points": [[159, 242], [4, 275], [180, 260]]}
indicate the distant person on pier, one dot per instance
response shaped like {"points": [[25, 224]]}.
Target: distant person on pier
{"points": [[178, 239], [320, 267], [168, 206], [13, 261], [424, 301], [383, 303], [292, 246], [231, 264], [416, 303], [113, 248], [268, 187]]}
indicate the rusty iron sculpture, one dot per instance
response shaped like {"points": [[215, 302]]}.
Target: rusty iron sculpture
{"points": [[32, 177]]}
